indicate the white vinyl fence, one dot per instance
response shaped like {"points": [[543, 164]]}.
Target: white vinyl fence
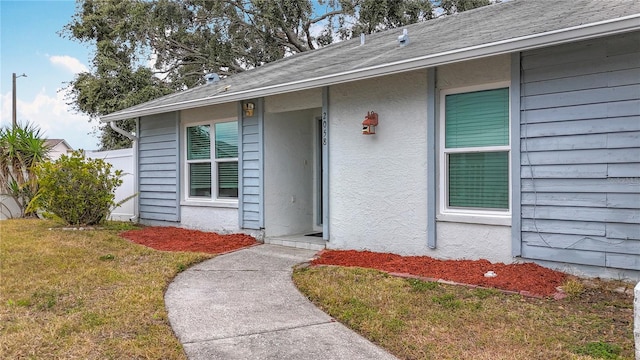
{"points": [[9, 209], [121, 160]]}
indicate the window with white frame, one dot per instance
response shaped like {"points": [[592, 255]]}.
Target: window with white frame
{"points": [[212, 161], [475, 151]]}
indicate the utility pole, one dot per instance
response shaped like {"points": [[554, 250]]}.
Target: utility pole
{"points": [[14, 121]]}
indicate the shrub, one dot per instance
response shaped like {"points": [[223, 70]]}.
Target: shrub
{"points": [[77, 189], [22, 148]]}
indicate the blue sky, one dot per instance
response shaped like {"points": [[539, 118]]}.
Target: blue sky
{"points": [[30, 44]]}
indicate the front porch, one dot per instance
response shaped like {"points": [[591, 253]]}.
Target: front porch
{"points": [[292, 178]]}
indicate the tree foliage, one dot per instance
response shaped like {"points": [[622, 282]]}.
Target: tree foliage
{"points": [[77, 189], [146, 49], [22, 148]]}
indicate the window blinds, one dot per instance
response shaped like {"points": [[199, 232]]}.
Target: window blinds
{"points": [[477, 123], [477, 119]]}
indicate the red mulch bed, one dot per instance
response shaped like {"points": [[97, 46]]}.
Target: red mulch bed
{"points": [[177, 239], [527, 278]]}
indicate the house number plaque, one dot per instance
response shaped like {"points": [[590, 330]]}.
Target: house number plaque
{"points": [[324, 128]]}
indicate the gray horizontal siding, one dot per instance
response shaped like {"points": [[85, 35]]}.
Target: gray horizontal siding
{"points": [[580, 142], [158, 168], [591, 81], [589, 64], [576, 127], [251, 198], [579, 242], [620, 109], [580, 153]]}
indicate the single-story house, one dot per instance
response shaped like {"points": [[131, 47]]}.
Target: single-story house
{"points": [[57, 148], [509, 132]]}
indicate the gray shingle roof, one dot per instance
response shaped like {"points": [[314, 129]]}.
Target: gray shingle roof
{"points": [[53, 142], [480, 32]]}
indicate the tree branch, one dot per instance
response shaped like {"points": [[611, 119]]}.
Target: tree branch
{"points": [[324, 16]]}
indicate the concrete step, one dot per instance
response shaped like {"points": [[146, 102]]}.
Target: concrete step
{"points": [[298, 241]]}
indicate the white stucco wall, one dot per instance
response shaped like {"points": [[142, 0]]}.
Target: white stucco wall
{"points": [[472, 241], [207, 218], [475, 72], [378, 187], [466, 240], [289, 172], [299, 100], [378, 182], [206, 113]]}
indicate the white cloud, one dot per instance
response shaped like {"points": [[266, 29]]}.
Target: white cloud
{"points": [[68, 63], [54, 117]]}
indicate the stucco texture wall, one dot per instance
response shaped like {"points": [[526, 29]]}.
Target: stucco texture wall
{"points": [[377, 182], [207, 113], [378, 186], [456, 240], [207, 218]]}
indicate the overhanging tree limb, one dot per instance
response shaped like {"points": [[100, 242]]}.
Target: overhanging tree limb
{"points": [[193, 37]]}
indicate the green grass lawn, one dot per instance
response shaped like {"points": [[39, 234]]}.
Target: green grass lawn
{"points": [[84, 294], [425, 320], [94, 295]]}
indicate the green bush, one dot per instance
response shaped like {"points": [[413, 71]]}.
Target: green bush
{"points": [[22, 148], [77, 189]]}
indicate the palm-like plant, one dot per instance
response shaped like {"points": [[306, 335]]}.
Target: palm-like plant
{"points": [[21, 149]]}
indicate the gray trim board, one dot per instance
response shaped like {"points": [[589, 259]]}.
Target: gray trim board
{"points": [[261, 159], [516, 231], [136, 167], [432, 187], [240, 167], [178, 178]]}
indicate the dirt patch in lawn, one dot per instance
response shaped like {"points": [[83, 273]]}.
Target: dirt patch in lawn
{"points": [[527, 278], [177, 239]]}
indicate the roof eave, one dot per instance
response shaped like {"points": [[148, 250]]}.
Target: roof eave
{"points": [[556, 37]]}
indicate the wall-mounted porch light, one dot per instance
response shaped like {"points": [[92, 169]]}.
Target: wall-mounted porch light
{"points": [[369, 124], [248, 108]]}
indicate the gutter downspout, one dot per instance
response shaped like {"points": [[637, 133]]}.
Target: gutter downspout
{"points": [[134, 141], [122, 132]]}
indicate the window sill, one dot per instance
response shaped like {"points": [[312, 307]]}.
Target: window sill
{"points": [[484, 219], [211, 203]]}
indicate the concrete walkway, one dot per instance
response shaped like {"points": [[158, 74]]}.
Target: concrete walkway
{"points": [[243, 305]]}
